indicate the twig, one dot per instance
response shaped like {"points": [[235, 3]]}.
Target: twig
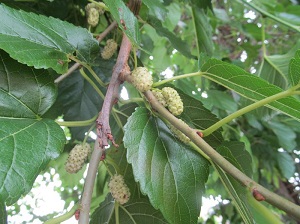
{"points": [[121, 68], [69, 72], [272, 198], [89, 184], [100, 37], [63, 217], [103, 128]]}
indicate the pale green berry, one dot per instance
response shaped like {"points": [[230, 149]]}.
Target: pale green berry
{"points": [[93, 17], [95, 6], [182, 137], [141, 79], [109, 49], [159, 96], [174, 102], [119, 189], [77, 157]]}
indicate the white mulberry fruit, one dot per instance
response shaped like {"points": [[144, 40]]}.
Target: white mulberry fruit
{"points": [[142, 79], [77, 157], [182, 137], [119, 189], [109, 49], [93, 13], [93, 17], [174, 102], [96, 6], [159, 96]]}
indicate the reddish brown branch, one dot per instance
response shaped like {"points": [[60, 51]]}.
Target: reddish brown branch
{"points": [[104, 134], [103, 128], [121, 68]]}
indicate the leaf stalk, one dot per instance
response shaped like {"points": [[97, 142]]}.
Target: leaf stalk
{"points": [[247, 109], [176, 78], [77, 123], [63, 217]]}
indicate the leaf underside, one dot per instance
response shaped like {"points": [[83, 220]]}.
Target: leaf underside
{"points": [[294, 69], [249, 86], [236, 154], [177, 43]]}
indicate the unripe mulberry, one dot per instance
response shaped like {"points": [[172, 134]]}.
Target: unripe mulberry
{"points": [[95, 6], [77, 157], [174, 102], [119, 189], [93, 13], [93, 17], [142, 79], [159, 96], [182, 137], [109, 49]]}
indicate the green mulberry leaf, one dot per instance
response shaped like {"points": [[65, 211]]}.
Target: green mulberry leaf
{"points": [[250, 86], [27, 141], [44, 42], [169, 172], [125, 18], [294, 69]]}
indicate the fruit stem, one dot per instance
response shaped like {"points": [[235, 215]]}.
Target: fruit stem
{"points": [[100, 4], [117, 212], [132, 100], [76, 123], [128, 213], [247, 109], [176, 78], [84, 75], [63, 217], [108, 170]]}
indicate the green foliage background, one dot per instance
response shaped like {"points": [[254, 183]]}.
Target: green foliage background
{"points": [[245, 52]]}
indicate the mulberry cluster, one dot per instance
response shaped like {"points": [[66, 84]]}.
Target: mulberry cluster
{"points": [[174, 102], [159, 96], [142, 79], [109, 49], [119, 189], [93, 13], [77, 157], [182, 137]]}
